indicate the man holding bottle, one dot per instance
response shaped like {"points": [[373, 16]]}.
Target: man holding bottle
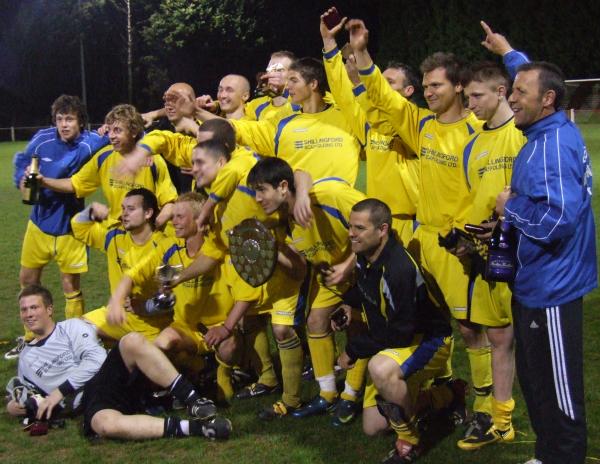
{"points": [[61, 151]]}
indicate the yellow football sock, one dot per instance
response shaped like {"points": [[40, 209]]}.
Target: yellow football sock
{"points": [[224, 387], [74, 304], [322, 357], [407, 431], [354, 379], [502, 413], [292, 356], [256, 342], [480, 360]]}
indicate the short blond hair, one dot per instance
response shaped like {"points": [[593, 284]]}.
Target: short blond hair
{"points": [[129, 116], [195, 199]]}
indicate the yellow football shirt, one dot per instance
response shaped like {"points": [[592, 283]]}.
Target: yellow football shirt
{"points": [[121, 251], [438, 146], [321, 144], [488, 158], [205, 299], [262, 108], [392, 169]]}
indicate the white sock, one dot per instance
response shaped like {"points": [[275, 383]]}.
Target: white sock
{"points": [[327, 383]]}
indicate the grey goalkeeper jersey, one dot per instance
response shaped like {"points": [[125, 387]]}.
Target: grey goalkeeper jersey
{"points": [[66, 359]]}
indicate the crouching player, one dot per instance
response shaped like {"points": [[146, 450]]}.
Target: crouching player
{"points": [[408, 339]]}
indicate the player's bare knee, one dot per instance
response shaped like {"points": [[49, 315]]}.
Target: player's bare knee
{"points": [[318, 322], [70, 282], [29, 276], [383, 369], [131, 343], [282, 332], [373, 422], [167, 340], [473, 334], [104, 424], [227, 350]]}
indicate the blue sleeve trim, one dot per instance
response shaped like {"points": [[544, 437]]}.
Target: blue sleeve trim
{"points": [[261, 108], [215, 197], [331, 53], [328, 179], [170, 252], [466, 156], [110, 235], [336, 213], [280, 127], [512, 60], [416, 224], [366, 72], [424, 120], [102, 158], [154, 172], [247, 190], [360, 88], [145, 147], [421, 356]]}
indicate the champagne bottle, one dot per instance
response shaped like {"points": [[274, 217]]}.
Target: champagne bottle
{"points": [[31, 188], [500, 265]]}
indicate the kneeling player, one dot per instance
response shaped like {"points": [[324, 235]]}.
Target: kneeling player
{"points": [[113, 398], [408, 338]]}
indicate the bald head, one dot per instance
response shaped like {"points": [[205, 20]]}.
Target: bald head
{"points": [[173, 93], [233, 92]]}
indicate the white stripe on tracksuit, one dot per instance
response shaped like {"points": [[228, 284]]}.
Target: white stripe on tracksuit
{"points": [[559, 368]]}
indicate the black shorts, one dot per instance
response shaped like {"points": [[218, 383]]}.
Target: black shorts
{"points": [[113, 387]]}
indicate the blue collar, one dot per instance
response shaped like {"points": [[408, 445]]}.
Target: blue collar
{"points": [[553, 121]]}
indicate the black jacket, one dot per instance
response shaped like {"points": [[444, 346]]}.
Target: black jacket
{"points": [[392, 294]]}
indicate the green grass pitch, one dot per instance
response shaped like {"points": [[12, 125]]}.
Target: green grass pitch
{"points": [[312, 440]]}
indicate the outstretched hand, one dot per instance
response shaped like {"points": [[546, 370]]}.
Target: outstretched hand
{"points": [[359, 34], [329, 34], [494, 42]]}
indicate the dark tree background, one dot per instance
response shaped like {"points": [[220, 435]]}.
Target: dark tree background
{"points": [[198, 41]]}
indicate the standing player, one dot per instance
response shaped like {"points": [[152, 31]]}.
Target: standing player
{"points": [[274, 80], [125, 129], [437, 136], [489, 156], [325, 245], [124, 245], [392, 169], [232, 94], [318, 140], [61, 150]]}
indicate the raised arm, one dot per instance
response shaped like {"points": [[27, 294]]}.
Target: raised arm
{"points": [[499, 45], [398, 111], [339, 82]]}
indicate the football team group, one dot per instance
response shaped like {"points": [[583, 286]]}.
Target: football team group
{"points": [[491, 163]]}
